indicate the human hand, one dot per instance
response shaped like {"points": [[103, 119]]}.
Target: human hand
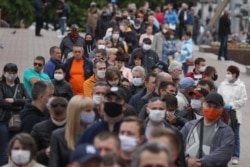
{"points": [[193, 162], [9, 100], [47, 151], [228, 107]]}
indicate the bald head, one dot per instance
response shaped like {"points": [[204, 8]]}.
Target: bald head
{"points": [[166, 76]]}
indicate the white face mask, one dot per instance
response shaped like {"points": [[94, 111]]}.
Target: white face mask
{"points": [[10, 77], [202, 68], [164, 31], [87, 117], [146, 46], [128, 144], [229, 77], [157, 115], [97, 99], [20, 157], [122, 28], [58, 77], [137, 81], [101, 73], [113, 83], [58, 123], [195, 104], [115, 36], [101, 47]]}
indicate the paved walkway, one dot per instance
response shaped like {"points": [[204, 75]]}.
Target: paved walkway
{"points": [[23, 46]]}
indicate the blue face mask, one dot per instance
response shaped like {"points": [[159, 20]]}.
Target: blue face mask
{"points": [[171, 37], [87, 117]]}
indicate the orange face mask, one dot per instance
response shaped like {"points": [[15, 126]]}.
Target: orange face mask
{"points": [[211, 114]]}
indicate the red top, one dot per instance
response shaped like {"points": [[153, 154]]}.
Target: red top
{"points": [[160, 17]]}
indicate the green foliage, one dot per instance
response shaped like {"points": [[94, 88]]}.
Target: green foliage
{"points": [[16, 10]]}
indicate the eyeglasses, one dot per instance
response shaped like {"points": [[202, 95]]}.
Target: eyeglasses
{"points": [[57, 105], [38, 64]]}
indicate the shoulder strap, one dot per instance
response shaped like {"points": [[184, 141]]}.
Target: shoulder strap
{"points": [[201, 139], [16, 91]]}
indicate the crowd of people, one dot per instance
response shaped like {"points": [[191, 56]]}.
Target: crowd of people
{"points": [[122, 96]]}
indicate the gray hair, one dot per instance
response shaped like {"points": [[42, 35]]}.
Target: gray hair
{"points": [[153, 147], [40, 87], [174, 65], [139, 69]]}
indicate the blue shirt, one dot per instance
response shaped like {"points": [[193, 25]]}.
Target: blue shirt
{"points": [[50, 66]]}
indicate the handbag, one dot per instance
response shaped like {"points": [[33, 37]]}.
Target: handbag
{"points": [[190, 61], [15, 120]]}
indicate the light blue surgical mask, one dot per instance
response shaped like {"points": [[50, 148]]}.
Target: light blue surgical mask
{"points": [[87, 117], [137, 81]]}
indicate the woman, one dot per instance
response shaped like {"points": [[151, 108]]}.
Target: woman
{"points": [[80, 114], [22, 152], [13, 96], [234, 93], [111, 56], [89, 44]]}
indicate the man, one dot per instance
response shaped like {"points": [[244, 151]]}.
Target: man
{"points": [[34, 112], [170, 139], [151, 19], [206, 84], [131, 135], [99, 70], [164, 89], [32, 75], [138, 74], [198, 72], [208, 141], [114, 105], [150, 56], [224, 31], [158, 40], [185, 86], [99, 90], [39, 9], [62, 87], [63, 12], [55, 59], [78, 69], [182, 17], [107, 143], [160, 67], [93, 16], [42, 131], [152, 154], [175, 70], [85, 155], [149, 87], [67, 43], [100, 44]]}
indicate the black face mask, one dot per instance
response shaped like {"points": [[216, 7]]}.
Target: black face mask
{"points": [[112, 109], [89, 42], [215, 77]]}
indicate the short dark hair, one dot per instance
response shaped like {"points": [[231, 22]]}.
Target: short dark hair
{"points": [[120, 56], [41, 58], [198, 60], [102, 51], [52, 49], [105, 135], [171, 100], [39, 88], [98, 61], [10, 67], [111, 72], [188, 33], [112, 159], [27, 141], [138, 121], [234, 70], [209, 70], [150, 75], [138, 55], [165, 84], [58, 105], [60, 66], [205, 82]]}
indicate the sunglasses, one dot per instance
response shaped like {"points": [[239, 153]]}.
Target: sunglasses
{"points": [[57, 105], [38, 64]]}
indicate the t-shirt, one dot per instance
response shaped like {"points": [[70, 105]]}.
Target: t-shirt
{"points": [[30, 73], [77, 76]]}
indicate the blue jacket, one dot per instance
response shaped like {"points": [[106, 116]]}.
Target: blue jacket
{"points": [[88, 135], [50, 66], [222, 145], [38, 4], [87, 68], [171, 18], [190, 18], [168, 49], [186, 50], [136, 98]]}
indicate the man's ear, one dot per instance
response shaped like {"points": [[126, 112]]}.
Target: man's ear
{"points": [[141, 139], [147, 110]]}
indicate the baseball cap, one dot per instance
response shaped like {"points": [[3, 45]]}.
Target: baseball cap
{"points": [[92, 4], [161, 65], [118, 91], [74, 26], [186, 83], [84, 152], [200, 92], [215, 98]]}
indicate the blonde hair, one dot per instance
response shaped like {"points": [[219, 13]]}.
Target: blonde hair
{"points": [[112, 50], [73, 126]]}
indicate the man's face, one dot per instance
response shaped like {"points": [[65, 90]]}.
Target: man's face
{"points": [[151, 84], [149, 159], [201, 67], [137, 74], [100, 66], [74, 33], [78, 52], [59, 71], [116, 99], [170, 90], [176, 73], [46, 95], [38, 65], [98, 56], [100, 90], [56, 55], [157, 105], [107, 146], [130, 129], [101, 42]]}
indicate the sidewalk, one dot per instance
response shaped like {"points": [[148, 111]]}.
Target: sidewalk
{"points": [[22, 47]]}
